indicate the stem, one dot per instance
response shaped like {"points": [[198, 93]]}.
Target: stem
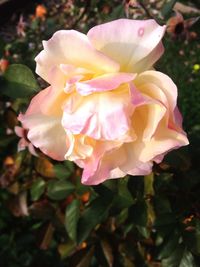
{"points": [[87, 7], [146, 10]]}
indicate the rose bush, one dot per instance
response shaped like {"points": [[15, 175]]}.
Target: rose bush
{"points": [[106, 108]]}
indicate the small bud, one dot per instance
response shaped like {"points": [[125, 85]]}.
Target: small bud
{"points": [[3, 65], [85, 197], [40, 11], [8, 161]]}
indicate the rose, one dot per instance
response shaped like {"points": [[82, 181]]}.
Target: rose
{"points": [[106, 108]]}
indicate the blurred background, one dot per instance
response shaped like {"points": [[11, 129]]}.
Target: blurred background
{"points": [[47, 217]]}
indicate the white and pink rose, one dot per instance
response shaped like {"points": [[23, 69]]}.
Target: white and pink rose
{"points": [[106, 108]]}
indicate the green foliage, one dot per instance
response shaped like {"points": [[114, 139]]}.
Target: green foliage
{"points": [[18, 81], [138, 213], [62, 172], [72, 215], [167, 8], [37, 189], [94, 214], [58, 190], [180, 257]]}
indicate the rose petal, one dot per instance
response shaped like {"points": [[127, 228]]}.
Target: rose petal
{"points": [[48, 101], [161, 81], [178, 117], [22, 144], [162, 142], [152, 93], [100, 116], [71, 70], [80, 148], [103, 83], [149, 111], [146, 119], [103, 173], [43, 120], [129, 42], [73, 48], [47, 134], [159, 86], [19, 131], [103, 164], [116, 162], [147, 62], [133, 165], [32, 150]]}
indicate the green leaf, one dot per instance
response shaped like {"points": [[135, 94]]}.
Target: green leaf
{"points": [[93, 215], [165, 219], [118, 12], [169, 246], [121, 202], [167, 7], [143, 231], [81, 188], [180, 257], [178, 159], [162, 204], [136, 186], [66, 249], [187, 260], [37, 189], [18, 81], [164, 224], [71, 219], [121, 217], [34, 24], [58, 190], [111, 184], [123, 198], [61, 172], [138, 213], [192, 238], [69, 165], [123, 188]]}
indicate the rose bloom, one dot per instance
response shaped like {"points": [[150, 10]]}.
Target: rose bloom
{"points": [[106, 108]]}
